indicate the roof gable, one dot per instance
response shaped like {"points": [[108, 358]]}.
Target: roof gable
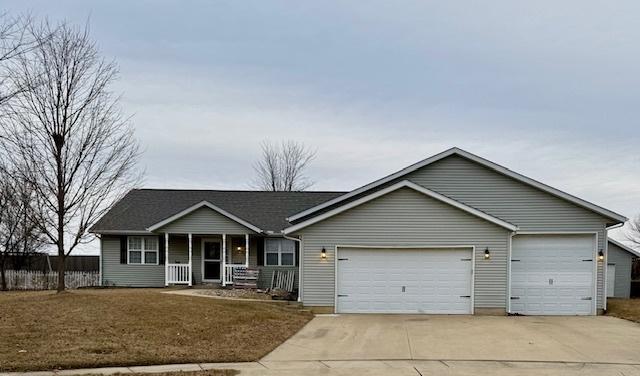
{"points": [[202, 204], [392, 188], [481, 161]]}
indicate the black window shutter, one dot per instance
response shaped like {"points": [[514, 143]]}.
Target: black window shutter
{"points": [[297, 253], [260, 250], [161, 249], [123, 249]]}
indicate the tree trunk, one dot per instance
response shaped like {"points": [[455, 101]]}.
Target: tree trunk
{"points": [[59, 142], [61, 262], [3, 276]]}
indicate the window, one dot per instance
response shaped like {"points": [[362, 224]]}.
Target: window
{"points": [[143, 250], [279, 252]]}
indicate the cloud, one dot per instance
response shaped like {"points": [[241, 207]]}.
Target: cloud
{"points": [[547, 89]]}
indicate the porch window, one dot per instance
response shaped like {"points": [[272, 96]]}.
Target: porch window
{"points": [[143, 250], [279, 252]]}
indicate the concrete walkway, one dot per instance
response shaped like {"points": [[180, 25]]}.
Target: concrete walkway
{"points": [[197, 293], [373, 368]]}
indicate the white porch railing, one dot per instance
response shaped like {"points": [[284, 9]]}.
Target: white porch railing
{"points": [[178, 273], [228, 272]]}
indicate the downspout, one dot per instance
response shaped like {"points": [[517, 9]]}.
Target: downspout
{"points": [[606, 260], [299, 264]]}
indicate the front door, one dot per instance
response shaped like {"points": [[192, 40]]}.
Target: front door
{"points": [[211, 260]]}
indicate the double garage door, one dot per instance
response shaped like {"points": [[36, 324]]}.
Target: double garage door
{"points": [[550, 275], [436, 281]]}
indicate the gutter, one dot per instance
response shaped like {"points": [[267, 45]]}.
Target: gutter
{"points": [[615, 226]]}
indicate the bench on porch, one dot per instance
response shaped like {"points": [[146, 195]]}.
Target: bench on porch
{"points": [[245, 278]]}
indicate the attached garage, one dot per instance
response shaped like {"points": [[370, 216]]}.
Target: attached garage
{"points": [[553, 274], [536, 248], [404, 280]]}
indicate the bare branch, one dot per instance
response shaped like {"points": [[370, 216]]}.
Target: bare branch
{"points": [[282, 167], [632, 231]]}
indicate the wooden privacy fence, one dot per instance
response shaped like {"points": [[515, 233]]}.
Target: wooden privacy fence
{"points": [[35, 280]]}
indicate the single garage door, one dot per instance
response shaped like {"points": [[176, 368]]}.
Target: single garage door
{"points": [[436, 281], [552, 274]]}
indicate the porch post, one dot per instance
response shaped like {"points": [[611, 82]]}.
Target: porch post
{"points": [[246, 250], [224, 259], [166, 259], [190, 263]]}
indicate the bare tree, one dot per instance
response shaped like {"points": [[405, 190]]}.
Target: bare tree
{"points": [[632, 231], [282, 166], [19, 235], [78, 152], [16, 39]]}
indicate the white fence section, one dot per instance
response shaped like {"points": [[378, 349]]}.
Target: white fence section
{"points": [[228, 274], [178, 273], [35, 280]]}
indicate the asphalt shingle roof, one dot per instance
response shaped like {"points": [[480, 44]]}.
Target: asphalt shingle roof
{"points": [[141, 208]]}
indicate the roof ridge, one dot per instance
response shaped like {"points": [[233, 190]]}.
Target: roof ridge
{"points": [[228, 190]]}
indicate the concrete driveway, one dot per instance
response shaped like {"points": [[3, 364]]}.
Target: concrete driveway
{"points": [[338, 338]]}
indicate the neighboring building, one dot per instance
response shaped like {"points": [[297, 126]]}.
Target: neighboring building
{"points": [[619, 262], [454, 233]]}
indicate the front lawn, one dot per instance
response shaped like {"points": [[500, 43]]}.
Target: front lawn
{"points": [[100, 328]]}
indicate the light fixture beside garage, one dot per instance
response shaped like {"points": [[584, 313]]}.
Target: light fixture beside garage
{"points": [[323, 254], [600, 256], [487, 254]]}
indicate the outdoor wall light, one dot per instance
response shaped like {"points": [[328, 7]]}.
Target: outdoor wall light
{"points": [[487, 254], [323, 254], [600, 256], [239, 248]]}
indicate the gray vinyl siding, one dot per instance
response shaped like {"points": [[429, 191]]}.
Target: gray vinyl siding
{"points": [[622, 260], [116, 274], [529, 208], [205, 221], [404, 218]]}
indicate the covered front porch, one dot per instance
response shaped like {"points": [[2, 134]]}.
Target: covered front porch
{"points": [[205, 244], [207, 258]]}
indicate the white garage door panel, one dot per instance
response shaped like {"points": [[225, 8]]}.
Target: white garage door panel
{"points": [[404, 281], [552, 274]]}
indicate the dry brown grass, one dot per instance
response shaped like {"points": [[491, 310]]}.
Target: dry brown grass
{"points": [[99, 328], [628, 309]]}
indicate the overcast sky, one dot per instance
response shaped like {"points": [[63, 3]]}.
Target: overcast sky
{"points": [[548, 89]]}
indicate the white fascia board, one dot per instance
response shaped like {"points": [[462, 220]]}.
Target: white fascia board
{"points": [[625, 247], [402, 184], [484, 162], [201, 205], [120, 232]]}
